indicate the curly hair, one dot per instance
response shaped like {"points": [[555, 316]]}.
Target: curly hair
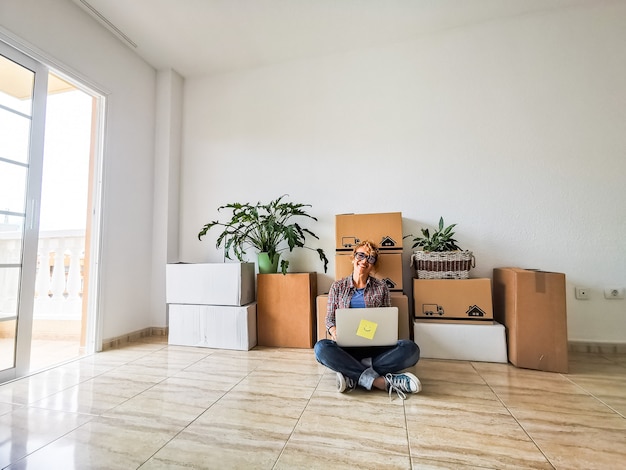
{"points": [[371, 248]]}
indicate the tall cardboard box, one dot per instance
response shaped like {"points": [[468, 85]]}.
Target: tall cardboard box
{"points": [[397, 300], [384, 229], [286, 309], [453, 299], [531, 305]]}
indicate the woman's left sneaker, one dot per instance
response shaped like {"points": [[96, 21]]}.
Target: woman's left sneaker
{"points": [[403, 383]]}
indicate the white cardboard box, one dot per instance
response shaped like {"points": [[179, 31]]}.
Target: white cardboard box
{"points": [[210, 283], [213, 326], [461, 341]]}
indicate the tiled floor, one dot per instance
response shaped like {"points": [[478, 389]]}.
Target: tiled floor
{"points": [[154, 406]]}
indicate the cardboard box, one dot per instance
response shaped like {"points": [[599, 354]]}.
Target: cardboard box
{"points": [[210, 283], [531, 305], [385, 229], [213, 326], [454, 299], [286, 309], [480, 341], [388, 267], [397, 300]]}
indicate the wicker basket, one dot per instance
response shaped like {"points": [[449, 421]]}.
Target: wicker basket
{"points": [[442, 265]]}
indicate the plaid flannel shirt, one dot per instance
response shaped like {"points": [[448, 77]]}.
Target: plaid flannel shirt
{"points": [[376, 294]]}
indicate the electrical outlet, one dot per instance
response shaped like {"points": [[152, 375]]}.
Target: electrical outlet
{"points": [[582, 293], [614, 293]]}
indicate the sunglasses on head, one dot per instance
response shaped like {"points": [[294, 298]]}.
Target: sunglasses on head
{"points": [[359, 255]]}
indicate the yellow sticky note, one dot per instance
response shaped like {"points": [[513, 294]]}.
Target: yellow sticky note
{"points": [[367, 329]]}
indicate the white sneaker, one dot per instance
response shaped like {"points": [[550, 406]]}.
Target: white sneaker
{"points": [[403, 383], [344, 383]]}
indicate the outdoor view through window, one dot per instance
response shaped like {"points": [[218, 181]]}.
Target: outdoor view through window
{"points": [[60, 308]]}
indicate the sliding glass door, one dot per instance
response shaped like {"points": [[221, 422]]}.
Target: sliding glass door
{"points": [[23, 90]]}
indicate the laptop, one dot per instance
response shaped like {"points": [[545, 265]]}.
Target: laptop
{"points": [[374, 326]]}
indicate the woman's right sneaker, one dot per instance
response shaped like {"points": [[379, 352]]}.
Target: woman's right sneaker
{"points": [[344, 383], [403, 383]]}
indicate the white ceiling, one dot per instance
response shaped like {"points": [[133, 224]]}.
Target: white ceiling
{"points": [[204, 37]]}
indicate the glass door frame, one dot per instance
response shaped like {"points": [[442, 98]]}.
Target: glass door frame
{"points": [[28, 268]]}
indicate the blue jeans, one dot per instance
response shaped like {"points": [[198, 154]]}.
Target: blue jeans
{"points": [[384, 360]]}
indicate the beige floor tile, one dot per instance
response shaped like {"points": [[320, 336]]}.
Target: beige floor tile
{"points": [[356, 421], [103, 443], [611, 392], [290, 384], [483, 436], [441, 393], [426, 464], [577, 441], [516, 377], [151, 409], [34, 388], [300, 455], [221, 380], [78, 371], [447, 371], [26, 430], [202, 393], [209, 448], [569, 400], [257, 410], [97, 395], [219, 362], [241, 430], [170, 359]]}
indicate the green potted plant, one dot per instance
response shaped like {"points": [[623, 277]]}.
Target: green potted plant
{"points": [[439, 255], [269, 228]]}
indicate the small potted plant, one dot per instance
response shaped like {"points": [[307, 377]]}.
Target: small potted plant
{"points": [[268, 228], [439, 255]]}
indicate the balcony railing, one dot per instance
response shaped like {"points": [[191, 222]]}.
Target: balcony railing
{"points": [[59, 282]]}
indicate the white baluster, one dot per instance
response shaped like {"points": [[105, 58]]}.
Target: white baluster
{"points": [[57, 283], [73, 307], [42, 282], [73, 276]]}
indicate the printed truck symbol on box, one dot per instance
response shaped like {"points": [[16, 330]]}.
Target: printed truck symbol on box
{"points": [[349, 242], [432, 309]]}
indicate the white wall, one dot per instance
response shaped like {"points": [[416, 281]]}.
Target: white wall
{"points": [[74, 42], [515, 130]]}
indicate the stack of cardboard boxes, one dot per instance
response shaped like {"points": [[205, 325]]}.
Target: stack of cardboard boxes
{"points": [[454, 320], [211, 305], [384, 229]]}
